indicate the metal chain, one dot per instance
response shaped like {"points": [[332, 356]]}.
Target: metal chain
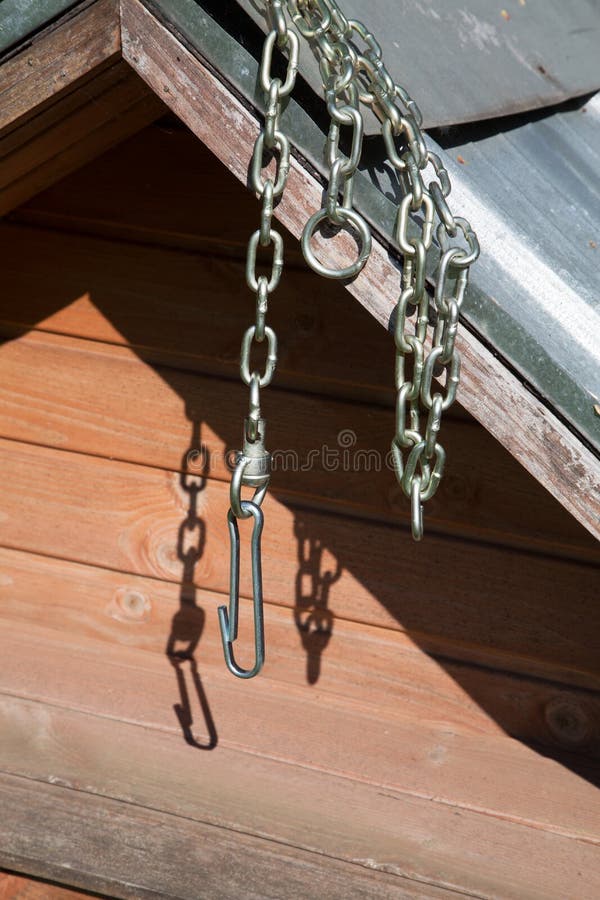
{"points": [[253, 462], [353, 72]]}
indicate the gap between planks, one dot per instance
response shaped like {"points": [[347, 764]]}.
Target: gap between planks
{"points": [[145, 853], [400, 719], [391, 831], [133, 522]]}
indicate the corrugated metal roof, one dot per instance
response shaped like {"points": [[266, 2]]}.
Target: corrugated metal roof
{"points": [[466, 60], [532, 193]]}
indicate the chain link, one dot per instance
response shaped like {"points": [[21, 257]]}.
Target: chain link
{"points": [[253, 462], [353, 72]]}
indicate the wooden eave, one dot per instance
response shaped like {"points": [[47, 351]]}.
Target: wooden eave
{"points": [[127, 54]]}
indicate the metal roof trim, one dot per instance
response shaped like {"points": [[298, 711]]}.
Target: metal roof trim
{"points": [[468, 60], [19, 19]]}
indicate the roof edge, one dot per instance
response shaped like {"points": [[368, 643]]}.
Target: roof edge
{"points": [[178, 66]]}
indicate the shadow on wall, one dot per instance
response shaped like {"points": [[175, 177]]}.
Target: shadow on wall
{"points": [[188, 622], [448, 593]]}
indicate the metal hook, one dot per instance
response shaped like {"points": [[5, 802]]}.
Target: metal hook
{"points": [[228, 620]]}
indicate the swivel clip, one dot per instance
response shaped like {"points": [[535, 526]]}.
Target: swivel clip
{"points": [[253, 469]]}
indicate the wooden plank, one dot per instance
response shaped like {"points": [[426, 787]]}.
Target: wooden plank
{"points": [[18, 146], [127, 517], [55, 62], [410, 837], [65, 99], [124, 195], [437, 761], [131, 851], [489, 391], [372, 668], [19, 887], [103, 400], [72, 132], [164, 304], [114, 91]]}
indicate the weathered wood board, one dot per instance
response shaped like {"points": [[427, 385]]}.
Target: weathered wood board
{"points": [[391, 831], [65, 99], [131, 851]]}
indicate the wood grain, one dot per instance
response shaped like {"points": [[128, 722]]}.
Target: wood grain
{"points": [[19, 887], [66, 98], [362, 763], [103, 400], [127, 517], [489, 391], [241, 794], [55, 62], [360, 665], [168, 306], [428, 759], [72, 132], [131, 851], [124, 196]]}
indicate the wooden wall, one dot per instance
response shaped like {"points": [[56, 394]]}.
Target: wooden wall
{"points": [[447, 691], [18, 887]]}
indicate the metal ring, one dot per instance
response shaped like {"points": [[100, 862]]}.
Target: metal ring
{"points": [[364, 233], [464, 259], [452, 377], [276, 265]]}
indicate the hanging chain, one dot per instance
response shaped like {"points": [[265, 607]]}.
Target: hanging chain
{"points": [[353, 72], [253, 462]]}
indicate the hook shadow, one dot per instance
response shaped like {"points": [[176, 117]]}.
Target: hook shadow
{"points": [[188, 622]]}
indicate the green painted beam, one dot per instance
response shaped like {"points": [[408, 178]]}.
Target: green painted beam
{"points": [[21, 18]]}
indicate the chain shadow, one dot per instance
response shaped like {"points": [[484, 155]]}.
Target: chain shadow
{"points": [[481, 606], [312, 617], [188, 622]]}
